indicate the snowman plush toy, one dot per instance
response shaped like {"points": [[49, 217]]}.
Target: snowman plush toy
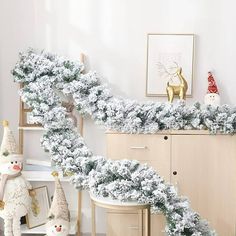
{"points": [[59, 216], [212, 97], [15, 191]]}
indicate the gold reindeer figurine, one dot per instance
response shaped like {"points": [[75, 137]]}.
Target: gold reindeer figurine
{"points": [[179, 90]]}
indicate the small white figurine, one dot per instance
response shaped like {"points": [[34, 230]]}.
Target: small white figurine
{"points": [[212, 97], [59, 215], [15, 200]]}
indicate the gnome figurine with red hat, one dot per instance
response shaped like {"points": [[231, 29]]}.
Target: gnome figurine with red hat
{"points": [[212, 97], [15, 200], [59, 216]]}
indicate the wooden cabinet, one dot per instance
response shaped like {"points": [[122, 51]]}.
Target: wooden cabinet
{"points": [[200, 165]]}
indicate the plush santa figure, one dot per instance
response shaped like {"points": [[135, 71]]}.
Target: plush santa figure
{"points": [[15, 200], [59, 216], [212, 97]]}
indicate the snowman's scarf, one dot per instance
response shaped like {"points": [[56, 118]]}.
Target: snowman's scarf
{"points": [[3, 181]]}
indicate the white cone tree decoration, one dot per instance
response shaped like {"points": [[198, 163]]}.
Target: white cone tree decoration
{"points": [[8, 141]]}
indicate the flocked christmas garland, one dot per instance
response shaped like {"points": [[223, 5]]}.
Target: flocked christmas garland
{"points": [[45, 74]]}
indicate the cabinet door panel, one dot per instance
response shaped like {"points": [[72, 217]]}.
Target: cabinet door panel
{"points": [[205, 168], [151, 149]]}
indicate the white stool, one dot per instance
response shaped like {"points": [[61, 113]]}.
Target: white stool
{"points": [[108, 203]]}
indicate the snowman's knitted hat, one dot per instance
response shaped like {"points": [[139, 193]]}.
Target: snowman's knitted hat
{"points": [[8, 148], [59, 207], [212, 87]]}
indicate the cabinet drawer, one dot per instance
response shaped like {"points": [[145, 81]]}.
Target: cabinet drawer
{"points": [[138, 147], [151, 149], [123, 224], [129, 224]]}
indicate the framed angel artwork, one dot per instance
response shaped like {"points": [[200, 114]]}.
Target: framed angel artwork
{"points": [[166, 55]]}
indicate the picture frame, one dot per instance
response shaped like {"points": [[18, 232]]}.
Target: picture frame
{"points": [[40, 206], [165, 53]]}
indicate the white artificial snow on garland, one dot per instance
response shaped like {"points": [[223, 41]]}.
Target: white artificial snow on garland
{"points": [[45, 74]]}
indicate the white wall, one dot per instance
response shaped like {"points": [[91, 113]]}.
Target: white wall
{"points": [[112, 34], [16, 33]]}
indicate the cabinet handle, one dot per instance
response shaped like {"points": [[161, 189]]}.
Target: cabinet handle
{"points": [[165, 137], [133, 227], [138, 147], [175, 172]]}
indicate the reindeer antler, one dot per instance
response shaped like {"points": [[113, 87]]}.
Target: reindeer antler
{"points": [[166, 72]]}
